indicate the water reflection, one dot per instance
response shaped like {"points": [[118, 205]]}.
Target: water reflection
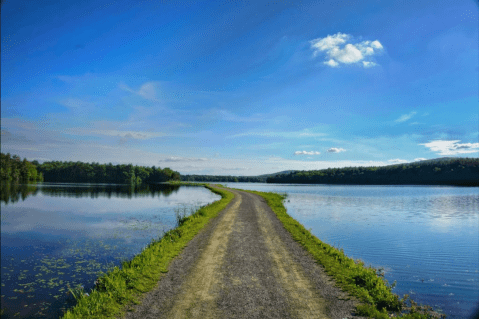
{"points": [[427, 237], [63, 235], [12, 193]]}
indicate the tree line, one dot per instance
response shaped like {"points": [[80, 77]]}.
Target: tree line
{"points": [[80, 172], [13, 169], [219, 178], [455, 171]]}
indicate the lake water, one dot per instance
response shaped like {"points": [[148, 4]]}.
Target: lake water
{"points": [[55, 236], [425, 237]]}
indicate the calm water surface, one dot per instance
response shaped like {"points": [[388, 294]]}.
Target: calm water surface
{"points": [[426, 238], [55, 236]]}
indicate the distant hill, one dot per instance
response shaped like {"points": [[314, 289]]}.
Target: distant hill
{"points": [[440, 171], [439, 160], [232, 179], [278, 173]]}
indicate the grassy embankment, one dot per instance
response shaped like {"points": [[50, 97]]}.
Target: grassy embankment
{"points": [[365, 283], [121, 287]]}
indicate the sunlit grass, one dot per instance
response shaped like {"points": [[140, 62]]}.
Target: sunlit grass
{"points": [[365, 283], [122, 286]]}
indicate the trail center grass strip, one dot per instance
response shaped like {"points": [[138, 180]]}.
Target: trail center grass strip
{"points": [[365, 283], [123, 286]]}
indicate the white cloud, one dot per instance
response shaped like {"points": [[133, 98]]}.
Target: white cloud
{"points": [[397, 161], [147, 90], [306, 153], [76, 104], [229, 116], [296, 134], [452, 147], [405, 117], [336, 150], [420, 159], [183, 159], [137, 135], [368, 64], [331, 63], [375, 44], [338, 50]]}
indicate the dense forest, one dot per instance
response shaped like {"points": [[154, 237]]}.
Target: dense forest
{"points": [[15, 170], [79, 172], [219, 178], [443, 171], [454, 171]]}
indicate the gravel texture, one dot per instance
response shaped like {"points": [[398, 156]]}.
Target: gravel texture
{"points": [[244, 264]]}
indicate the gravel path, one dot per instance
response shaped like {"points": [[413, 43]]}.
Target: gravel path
{"points": [[244, 264]]}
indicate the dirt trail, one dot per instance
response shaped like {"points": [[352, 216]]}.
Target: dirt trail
{"points": [[244, 264]]}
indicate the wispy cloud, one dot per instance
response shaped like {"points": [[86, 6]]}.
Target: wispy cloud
{"points": [[420, 159], [229, 116], [336, 150], [296, 134], [452, 147], [339, 49], [137, 135], [77, 104], [405, 117], [179, 159], [148, 90], [306, 153]]}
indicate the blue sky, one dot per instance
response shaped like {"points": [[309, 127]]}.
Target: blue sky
{"points": [[239, 87]]}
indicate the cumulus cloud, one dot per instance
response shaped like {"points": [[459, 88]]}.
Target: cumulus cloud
{"points": [[420, 159], [339, 48], [306, 153], [405, 117], [336, 150], [452, 147]]}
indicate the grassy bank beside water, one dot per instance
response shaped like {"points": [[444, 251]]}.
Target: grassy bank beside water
{"points": [[123, 286], [365, 283]]}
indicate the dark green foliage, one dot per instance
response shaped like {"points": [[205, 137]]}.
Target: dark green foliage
{"points": [[79, 172], [453, 171], [219, 178], [14, 170]]}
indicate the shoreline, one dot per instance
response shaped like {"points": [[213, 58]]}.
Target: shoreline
{"points": [[117, 291]]}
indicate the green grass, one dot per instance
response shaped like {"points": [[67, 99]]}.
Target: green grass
{"points": [[366, 283], [122, 287]]}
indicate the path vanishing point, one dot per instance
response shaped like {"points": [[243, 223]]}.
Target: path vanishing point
{"points": [[244, 264]]}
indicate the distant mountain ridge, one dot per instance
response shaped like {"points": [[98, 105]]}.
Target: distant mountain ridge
{"points": [[440, 171]]}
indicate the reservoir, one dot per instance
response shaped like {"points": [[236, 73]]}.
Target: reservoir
{"points": [[56, 236], [424, 237]]}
